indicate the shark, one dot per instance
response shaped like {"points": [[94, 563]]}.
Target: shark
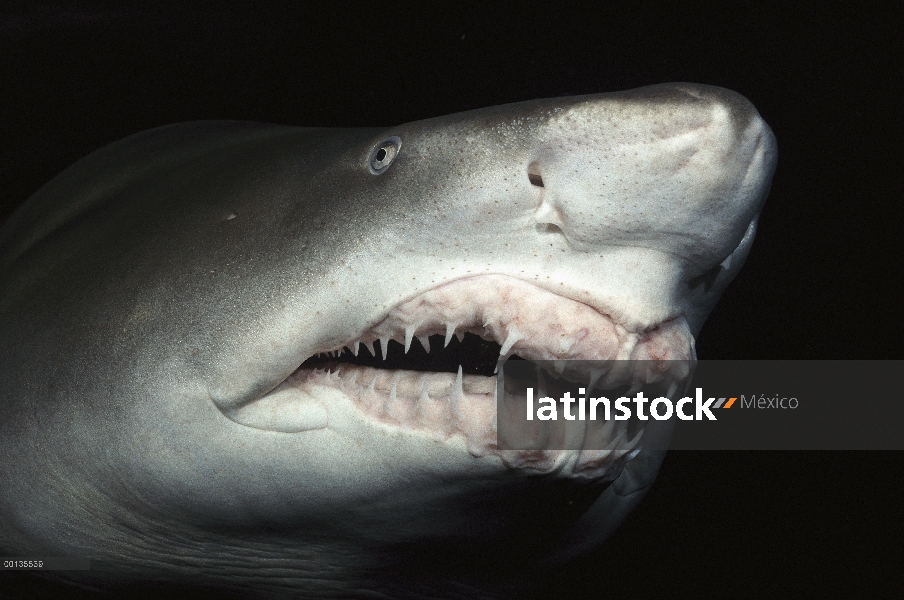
{"points": [[260, 359]]}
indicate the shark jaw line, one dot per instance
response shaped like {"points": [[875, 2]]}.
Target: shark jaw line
{"points": [[456, 407]]}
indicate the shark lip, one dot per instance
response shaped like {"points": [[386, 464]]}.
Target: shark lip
{"points": [[521, 319]]}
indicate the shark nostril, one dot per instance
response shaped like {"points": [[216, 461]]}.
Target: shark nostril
{"points": [[533, 175], [549, 228]]}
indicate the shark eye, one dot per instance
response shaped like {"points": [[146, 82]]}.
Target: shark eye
{"points": [[383, 154]]}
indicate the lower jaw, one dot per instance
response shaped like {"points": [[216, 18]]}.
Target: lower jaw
{"points": [[433, 402], [454, 407]]}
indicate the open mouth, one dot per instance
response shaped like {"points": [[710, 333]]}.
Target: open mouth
{"points": [[429, 365]]}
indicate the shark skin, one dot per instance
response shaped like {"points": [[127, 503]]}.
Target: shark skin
{"points": [[180, 312]]}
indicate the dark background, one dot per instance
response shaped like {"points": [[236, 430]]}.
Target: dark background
{"points": [[819, 283]]}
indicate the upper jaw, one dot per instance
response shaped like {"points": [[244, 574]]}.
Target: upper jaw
{"points": [[524, 319]]}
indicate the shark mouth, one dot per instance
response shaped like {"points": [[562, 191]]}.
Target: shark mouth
{"points": [[428, 366]]}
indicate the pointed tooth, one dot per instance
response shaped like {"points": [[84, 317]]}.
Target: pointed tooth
{"points": [[460, 335], [370, 348], [634, 441], [354, 378], [425, 342], [559, 366], [673, 387], [425, 396], [409, 335], [355, 347], [543, 438], [607, 429], [372, 401], [541, 384], [595, 375], [450, 331], [384, 346], [422, 410], [457, 394], [615, 442], [395, 383], [513, 336]]}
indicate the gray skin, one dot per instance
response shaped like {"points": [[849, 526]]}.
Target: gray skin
{"points": [[165, 280]]}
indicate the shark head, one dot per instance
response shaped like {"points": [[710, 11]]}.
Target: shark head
{"points": [[261, 358]]}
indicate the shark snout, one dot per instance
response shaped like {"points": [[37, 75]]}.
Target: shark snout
{"points": [[685, 172]]}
